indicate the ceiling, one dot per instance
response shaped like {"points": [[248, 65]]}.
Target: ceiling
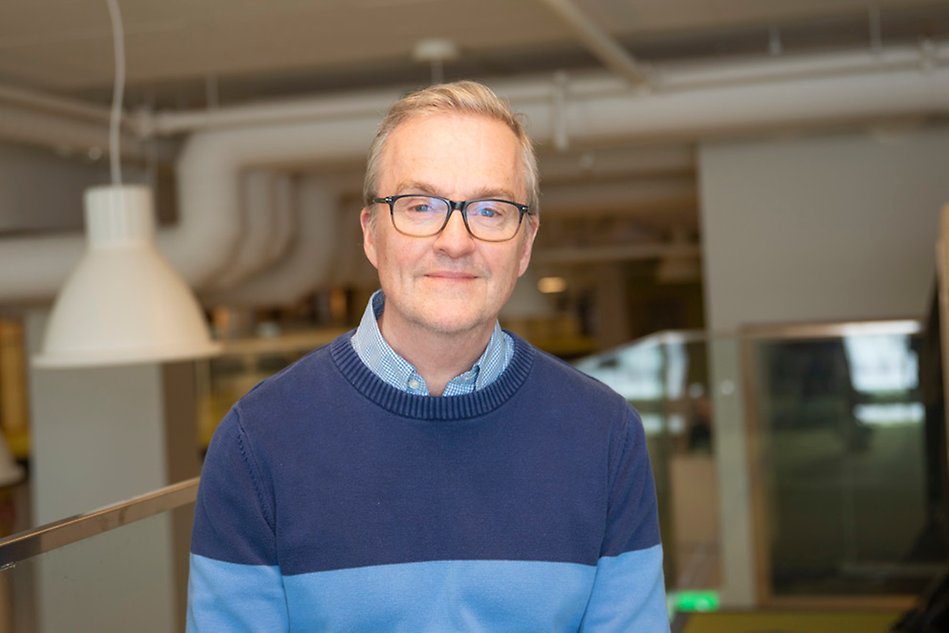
{"points": [[194, 54], [188, 53]]}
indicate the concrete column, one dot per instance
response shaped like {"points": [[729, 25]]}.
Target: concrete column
{"points": [[101, 435]]}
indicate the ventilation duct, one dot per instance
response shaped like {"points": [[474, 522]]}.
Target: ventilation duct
{"points": [[688, 104]]}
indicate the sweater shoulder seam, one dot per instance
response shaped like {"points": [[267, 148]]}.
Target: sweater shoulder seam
{"points": [[250, 463]]}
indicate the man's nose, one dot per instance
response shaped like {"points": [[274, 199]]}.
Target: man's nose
{"points": [[455, 240]]}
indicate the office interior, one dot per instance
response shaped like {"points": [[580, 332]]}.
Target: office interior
{"points": [[742, 219]]}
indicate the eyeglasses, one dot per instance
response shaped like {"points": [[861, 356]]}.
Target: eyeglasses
{"points": [[489, 220]]}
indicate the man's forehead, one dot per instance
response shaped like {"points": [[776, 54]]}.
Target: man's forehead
{"points": [[440, 131], [451, 118], [433, 141]]}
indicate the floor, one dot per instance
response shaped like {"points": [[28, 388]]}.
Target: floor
{"points": [[784, 622]]}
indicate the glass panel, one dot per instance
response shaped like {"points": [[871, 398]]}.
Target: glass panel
{"points": [[847, 436], [853, 490], [133, 578], [665, 378]]}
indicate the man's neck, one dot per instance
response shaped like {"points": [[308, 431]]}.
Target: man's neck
{"points": [[436, 357]]}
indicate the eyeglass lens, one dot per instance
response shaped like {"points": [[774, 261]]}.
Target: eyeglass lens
{"points": [[423, 216]]}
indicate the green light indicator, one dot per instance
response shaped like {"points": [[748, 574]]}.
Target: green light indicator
{"points": [[696, 601]]}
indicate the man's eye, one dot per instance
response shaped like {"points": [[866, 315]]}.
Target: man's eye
{"points": [[489, 211], [418, 206]]}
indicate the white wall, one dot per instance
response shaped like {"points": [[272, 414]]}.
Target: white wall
{"points": [[807, 229], [40, 190], [821, 228]]}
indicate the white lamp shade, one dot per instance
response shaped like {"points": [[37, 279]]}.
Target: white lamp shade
{"points": [[123, 303]]}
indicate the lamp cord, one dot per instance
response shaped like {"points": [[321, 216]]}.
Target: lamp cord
{"points": [[118, 88]]}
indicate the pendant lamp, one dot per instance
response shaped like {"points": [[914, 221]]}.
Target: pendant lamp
{"points": [[123, 303]]}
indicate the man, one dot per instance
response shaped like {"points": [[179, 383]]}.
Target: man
{"points": [[430, 472]]}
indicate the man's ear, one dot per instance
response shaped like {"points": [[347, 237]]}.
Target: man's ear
{"points": [[528, 245], [368, 225]]}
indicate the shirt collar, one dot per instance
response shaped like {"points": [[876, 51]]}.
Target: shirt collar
{"points": [[379, 357]]}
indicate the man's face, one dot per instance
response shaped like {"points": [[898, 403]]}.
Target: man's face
{"points": [[450, 283]]}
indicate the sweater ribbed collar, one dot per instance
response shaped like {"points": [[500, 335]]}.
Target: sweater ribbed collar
{"points": [[408, 405]]}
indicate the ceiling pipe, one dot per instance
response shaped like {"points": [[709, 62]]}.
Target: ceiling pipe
{"points": [[258, 217], [683, 115], [599, 42], [587, 86], [739, 109], [307, 265], [33, 269], [690, 76], [54, 104], [285, 219], [666, 77], [255, 114], [611, 163], [199, 246], [209, 174], [207, 236], [600, 110], [66, 134], [269, 224]]}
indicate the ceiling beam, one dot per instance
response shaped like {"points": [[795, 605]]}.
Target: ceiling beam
{"points": [[599, 42]]}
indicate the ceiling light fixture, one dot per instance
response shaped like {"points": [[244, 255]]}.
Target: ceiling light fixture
{"points": [[123, 303], [552, 285], [435, 51]]}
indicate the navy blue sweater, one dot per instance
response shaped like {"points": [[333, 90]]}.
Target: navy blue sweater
{"points": [[332, 501]]}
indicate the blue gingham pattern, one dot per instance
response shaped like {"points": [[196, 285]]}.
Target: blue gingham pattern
{"points": [[378, 356]]}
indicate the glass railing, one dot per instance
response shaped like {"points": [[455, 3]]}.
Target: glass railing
{"points": [[665, 377], [849, 458], [120, 568], [842, 449], [838, 433]]}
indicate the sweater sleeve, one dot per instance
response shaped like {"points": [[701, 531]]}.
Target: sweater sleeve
{"points": [[234, 581], [628, 590]]}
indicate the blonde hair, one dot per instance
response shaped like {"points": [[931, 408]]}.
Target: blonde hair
{"points": [[464, 97]]}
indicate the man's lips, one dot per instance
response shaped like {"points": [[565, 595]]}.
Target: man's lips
{"points": [[451, 275]]}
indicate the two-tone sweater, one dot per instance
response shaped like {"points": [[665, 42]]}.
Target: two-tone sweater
{"points": [[332, 501]]}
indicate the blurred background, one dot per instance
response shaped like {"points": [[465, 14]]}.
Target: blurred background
{"points": [[740, 216]]}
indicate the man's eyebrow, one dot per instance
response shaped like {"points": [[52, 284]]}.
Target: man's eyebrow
{"points": [[415, 186], [502, 194]]}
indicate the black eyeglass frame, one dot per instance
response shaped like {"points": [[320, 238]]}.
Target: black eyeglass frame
{"points": [[454, 205]]}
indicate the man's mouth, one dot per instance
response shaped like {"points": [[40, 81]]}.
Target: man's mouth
{"points": [[451, 275]]}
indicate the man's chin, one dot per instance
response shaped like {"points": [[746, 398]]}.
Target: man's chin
{"points": [[455, 324]]}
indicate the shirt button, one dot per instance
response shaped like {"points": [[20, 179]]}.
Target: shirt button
{"points": [[414, 384]]}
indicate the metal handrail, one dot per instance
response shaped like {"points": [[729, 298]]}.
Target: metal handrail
{"points": [[832, 329], [45, 538], [780, 331]]}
